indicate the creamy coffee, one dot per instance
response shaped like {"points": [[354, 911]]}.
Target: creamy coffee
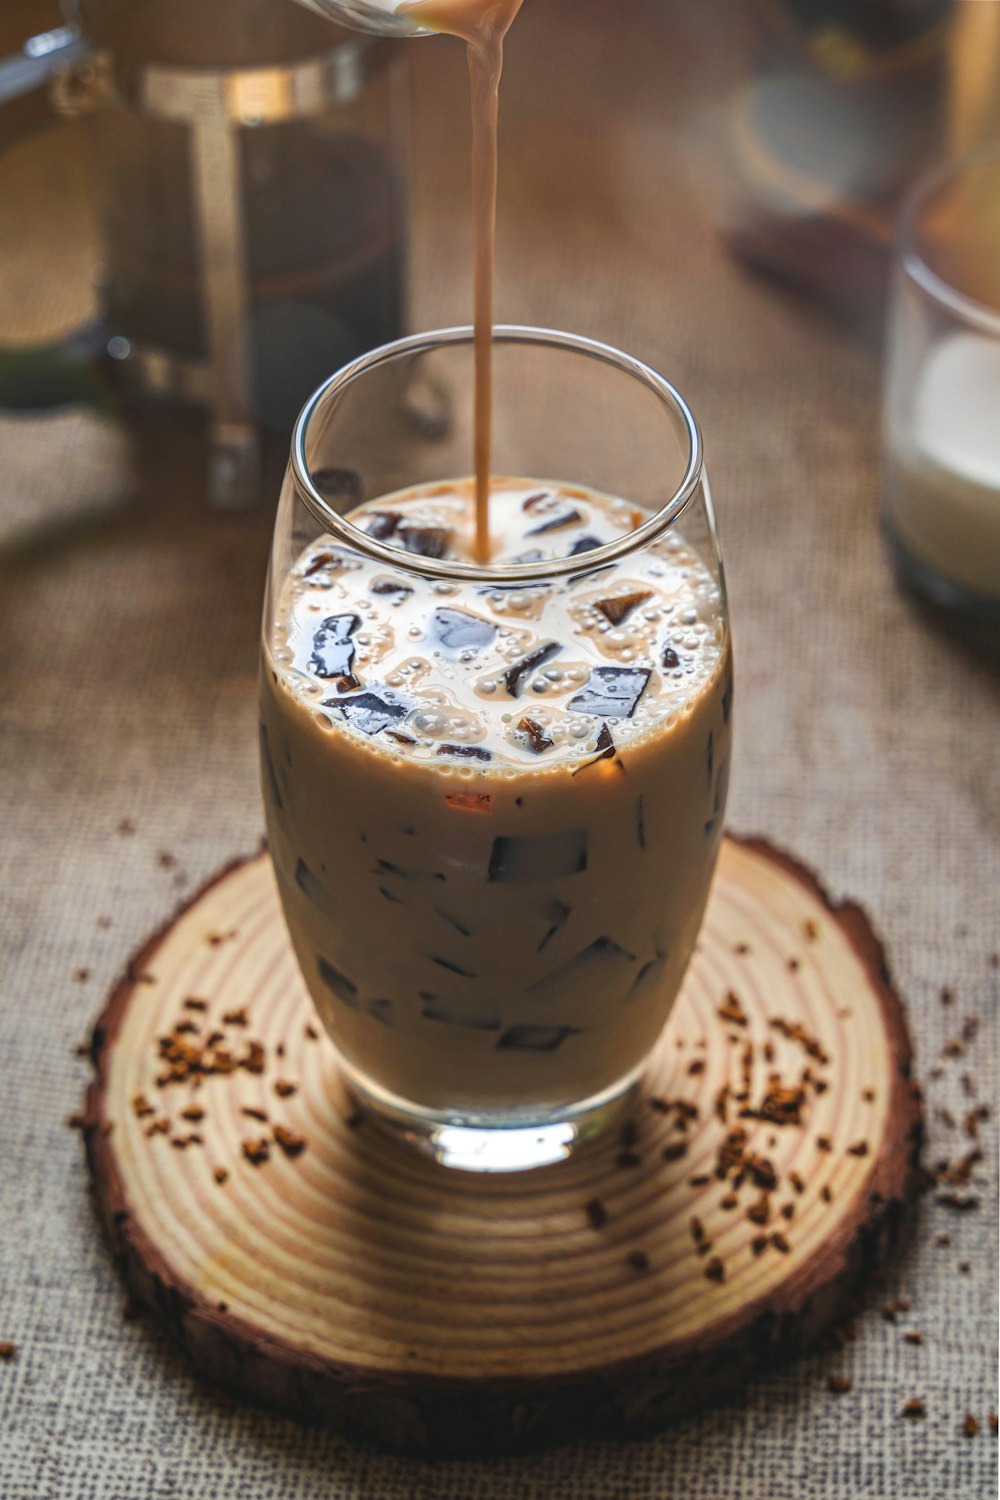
{"points": [[494, 811]]}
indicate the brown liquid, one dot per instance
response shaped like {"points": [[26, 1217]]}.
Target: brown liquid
{"points": [[482, 25]]}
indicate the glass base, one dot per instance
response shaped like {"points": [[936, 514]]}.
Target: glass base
{"points": [[492, 1141], [934, 586]]}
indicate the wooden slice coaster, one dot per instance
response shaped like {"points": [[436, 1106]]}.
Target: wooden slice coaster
{"points": [[307, 1262]]}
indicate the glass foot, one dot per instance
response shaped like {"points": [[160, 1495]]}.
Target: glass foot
{"points": [[496, 1141], [934, 586]]}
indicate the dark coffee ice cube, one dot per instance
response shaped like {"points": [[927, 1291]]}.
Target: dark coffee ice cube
{"points": [[453, 921], [721, 785], [380, 1010], [612, 692], [727, 696], [427, 541], [650, 974], [584, 544], [456, 630], [603, 956], [342, 487], [387, 585], [332, 648], [313, 888], [538, 740], [710, 753], [538, 856], [531, 502], [267, 766], [515, 674], [382, 524], [536, 1038], [452, 967], [606, 750], [401, 739], [619, 607], [450, 1014], [556, 523], [640, 823], [337, 983], [670, 659], [370, 712], [557, 913], [465, 752], [321, 561]]}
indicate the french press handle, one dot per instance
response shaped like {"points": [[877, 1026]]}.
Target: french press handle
{"points": [[36, 91]]}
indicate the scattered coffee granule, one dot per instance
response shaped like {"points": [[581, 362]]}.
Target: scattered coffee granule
{"points": [[220, 1174], [165, 859], [597, 1214], [628, 1159], [721, 1102], [859, 1148], [284, 1089], [782, 1105], [914, 1336], [82, 1049], [914, 1408], [729, 1201], [945, 1117], [662, 1106], [638, 1260], [903, 1304], [731, 1010], [8, 1350], [257, 1151], [629, 1133], [759, 1244], [993, 959], [780, 1243], [255, 1114], [793, 965], [158, 1127], [126, 827], [193, 1002], [943, 1241], [935, 1074], [824, 1143], [701, 1179], [742, 948], [810, 930], [214, 939], [279, 1050], [186, 1028], [954, 1048], [193, 1112], [142, 1106], [312, 1033], [992, 1419], [675, 1151], [796, 1182], [715, 1270], [788, 1211], [957, 1202], [103, 922], [179, 1142], [108, 1125], [965, 1268], [696, 1067], [970, 1426], [236, 1017], [290, 1143], [889, 1312], [947, 996], [81, 975], [868, 1095], [352, 1121], [759, 1211], [697, 1229], [839, 1384]]}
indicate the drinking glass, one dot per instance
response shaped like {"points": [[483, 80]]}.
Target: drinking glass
{"points": [[941, 490], [494, 950]]}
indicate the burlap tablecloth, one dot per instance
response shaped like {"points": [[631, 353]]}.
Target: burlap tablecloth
{"points": [[868, 741]]}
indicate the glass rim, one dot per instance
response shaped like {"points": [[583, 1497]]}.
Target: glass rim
{"points": [[912, 262], [503, 333]]}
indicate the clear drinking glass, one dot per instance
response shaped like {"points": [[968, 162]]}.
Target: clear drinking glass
{"points": [[941, 494], [494, 938]]}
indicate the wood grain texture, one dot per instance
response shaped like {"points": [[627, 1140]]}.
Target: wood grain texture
{"points": [[724, 1223]]}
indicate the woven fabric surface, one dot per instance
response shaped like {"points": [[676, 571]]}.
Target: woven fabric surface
{"points": [[867, 744]]}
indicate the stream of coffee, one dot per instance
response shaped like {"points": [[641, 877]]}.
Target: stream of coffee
{"points": [[482, 25]]}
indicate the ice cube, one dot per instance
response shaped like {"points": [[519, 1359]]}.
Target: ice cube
{"points": [[538, 856], [457, 630], [536, 1038], [370, 712], [612, 692], [332, 648]]}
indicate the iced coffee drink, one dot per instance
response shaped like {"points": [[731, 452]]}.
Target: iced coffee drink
{"points": [[494, 810]]}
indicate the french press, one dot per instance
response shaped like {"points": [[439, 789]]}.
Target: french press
{"points": [[252, 183]]}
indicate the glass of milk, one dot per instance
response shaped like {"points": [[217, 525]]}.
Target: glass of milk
{"points": [[941, 484]]}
